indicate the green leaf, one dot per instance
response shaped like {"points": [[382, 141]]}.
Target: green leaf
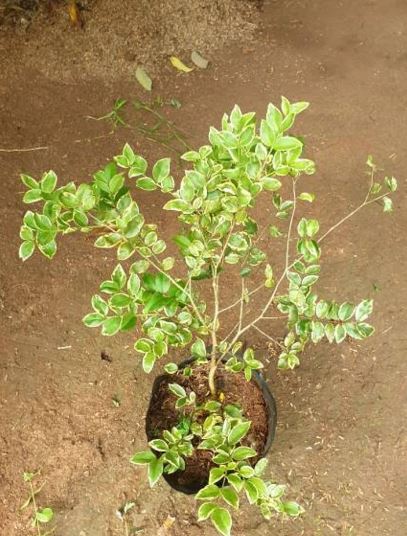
{"points": [[115, 183], [44, 515], [139, 267], [108, 240], [260, 466], [330, 332], [340, 333], [387, 204], [216, 474], [312, 227], [309, 280], [111, 325], [205, 510], [120, 300], [138, 167], [128, 154], [124, 251], [171, 368], [236, 481], [99, 305], [209, 492], [143, 79], [109, 287], [49, 249], [48, 182], [352, 331], [191, 156], [238, 432], [148, 362], [198, 348], [251, 492], [155, 470], [43, 222], [346, 311], [322, 309], [168, 263], [318, 332], [242, 453], [32, 196], [286, 143], [129, 320], [143, 458], [363, 310], [260, 485], [267, 134], [93, 320], [298, 107], [271, 184], [391, 183], [230, 496], [305, 196], [145, 183], [292, 508], [159, 444], [26, 234], [161, 169], [119, 276], [177, 390], [143, 345], [158, 247], [222, 520], [26, 250], [179, 205], [365, 330], [29, 182], [133, 284]]}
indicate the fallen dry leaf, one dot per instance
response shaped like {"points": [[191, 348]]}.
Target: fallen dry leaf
{"points": [[177, 63], [199, 61], [143, 79]]}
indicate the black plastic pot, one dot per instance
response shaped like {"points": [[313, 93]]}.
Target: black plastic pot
{"points": [[258, 378]]}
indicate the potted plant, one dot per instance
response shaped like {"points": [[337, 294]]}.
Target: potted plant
{"points": [[211, 418]]}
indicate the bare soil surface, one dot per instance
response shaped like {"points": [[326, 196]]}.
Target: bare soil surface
{"points": [[340, 443]]}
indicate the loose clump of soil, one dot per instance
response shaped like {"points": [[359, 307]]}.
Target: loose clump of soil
{"points": [[115, 37], [162, 415]]}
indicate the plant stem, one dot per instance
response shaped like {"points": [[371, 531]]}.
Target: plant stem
{"points": [[213, 366], [35, 508], [356, 210], [215, 327], [241, 330]]}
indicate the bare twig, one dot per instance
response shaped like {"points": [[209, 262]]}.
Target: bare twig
{"points": [[25, 150], [267, 336]]}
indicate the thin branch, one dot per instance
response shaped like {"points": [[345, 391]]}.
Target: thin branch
{"points": [[230, 332], [26, 150], [243, 289], [287, 249], [362, 205], [267, 336], [239, 300], [282, 277]]}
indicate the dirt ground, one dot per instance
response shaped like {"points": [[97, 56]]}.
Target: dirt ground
{"points": [[340, 441]]}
